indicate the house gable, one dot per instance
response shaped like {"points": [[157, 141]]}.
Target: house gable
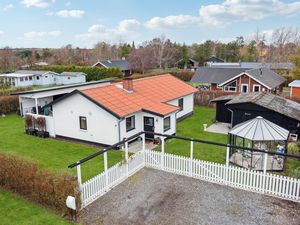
{"points": [[244, 79]]}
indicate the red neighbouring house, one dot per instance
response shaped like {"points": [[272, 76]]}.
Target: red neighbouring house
{"points": [[240, 80], [295, 89]]}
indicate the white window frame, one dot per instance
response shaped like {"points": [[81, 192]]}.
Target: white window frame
{"points": [[256, 85], [243, 85], [230, 90]]}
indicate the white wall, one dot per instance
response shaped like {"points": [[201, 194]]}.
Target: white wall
{"points": [[59, 79], [139, 124], [45, 79], [188, 105], [102, 127]]}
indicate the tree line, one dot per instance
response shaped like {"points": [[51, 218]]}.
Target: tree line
{"points": [[161, 52]]}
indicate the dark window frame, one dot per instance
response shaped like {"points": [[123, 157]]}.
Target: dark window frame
{"points": [[80, 124], [181, 104], [169, 127], [132, 123]]}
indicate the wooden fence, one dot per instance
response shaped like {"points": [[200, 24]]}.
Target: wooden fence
{"points": [[203, 97]]}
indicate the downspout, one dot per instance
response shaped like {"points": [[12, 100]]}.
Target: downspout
{"points": [[119, 128], [231, 116]]}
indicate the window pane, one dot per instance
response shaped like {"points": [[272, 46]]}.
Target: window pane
{"points": [[130, 123], [82, 123], [180, 103], [167, 123]]}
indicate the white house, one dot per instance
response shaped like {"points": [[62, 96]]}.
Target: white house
{"points": [[32, 101], [107, 114], [70, 78], [27, 78]]}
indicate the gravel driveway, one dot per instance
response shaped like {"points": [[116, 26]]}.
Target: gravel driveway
{"points": [[156, 197]]}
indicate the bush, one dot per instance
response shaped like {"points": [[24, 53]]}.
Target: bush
{"points": [[38, 185], [183, 75], [296, 173], [8, 90], [93, 73], [294, 148], [9, 104]]}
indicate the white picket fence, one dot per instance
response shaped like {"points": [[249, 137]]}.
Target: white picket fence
{"points": [[103, 182], [246, 179], [256, 181]]}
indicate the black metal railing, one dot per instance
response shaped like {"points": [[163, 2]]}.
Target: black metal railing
{"points": [[117, 145]]}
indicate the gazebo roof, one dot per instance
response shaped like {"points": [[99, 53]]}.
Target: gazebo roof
{"points": [[260, 129]]}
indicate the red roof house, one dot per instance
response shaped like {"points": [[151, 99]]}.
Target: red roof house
{"points": [[110, 113]]}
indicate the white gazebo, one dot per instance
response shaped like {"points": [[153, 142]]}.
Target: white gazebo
{"points": [[258, 133]]}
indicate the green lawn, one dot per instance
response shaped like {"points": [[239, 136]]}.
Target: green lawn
{"points": [[193, 127], [16, 210], [51, 154]]}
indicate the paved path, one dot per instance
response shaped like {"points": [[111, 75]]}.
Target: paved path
{"points": [[156, 197], [220, 128]]}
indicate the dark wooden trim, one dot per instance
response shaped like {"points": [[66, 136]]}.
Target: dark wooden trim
{"points": [[101, 145]]}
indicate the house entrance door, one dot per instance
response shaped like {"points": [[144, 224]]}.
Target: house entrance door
{"points": [[149, 126]]}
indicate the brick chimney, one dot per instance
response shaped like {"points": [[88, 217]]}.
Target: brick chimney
{"points": [[128, 84]]}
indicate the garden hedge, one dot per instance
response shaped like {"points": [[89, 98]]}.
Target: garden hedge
{"points": [[27, 179]]}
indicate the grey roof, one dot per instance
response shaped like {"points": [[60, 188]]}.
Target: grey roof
{"points": [[63, 87], [253, 65], [215, 75], [121, 64], [267, 77], [295, 83], [73, 74], [260, 129], [220, 75], [33, 72], [270, 101]]}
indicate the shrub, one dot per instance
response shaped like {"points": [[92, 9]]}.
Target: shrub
{"points": [[9, 104], [8, 90], [93, 73], [28, 121], [296, 173], [36, 184], [183, 75], [293, 148]]}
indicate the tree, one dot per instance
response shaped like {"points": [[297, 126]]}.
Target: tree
{"points": [[295, 59], [26, 56], [140, 59], [203, 51], [163, 52]]}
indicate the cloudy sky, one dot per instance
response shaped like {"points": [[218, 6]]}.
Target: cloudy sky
{"points": [[54, 23]]}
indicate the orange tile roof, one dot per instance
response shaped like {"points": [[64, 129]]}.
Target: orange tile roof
{"points": [[150, 94]]}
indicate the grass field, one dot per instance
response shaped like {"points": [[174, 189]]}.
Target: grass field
{"points": [[16, 210], [49, 153], [193, 127]]}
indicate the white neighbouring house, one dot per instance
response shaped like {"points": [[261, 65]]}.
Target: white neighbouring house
{"points": [[106, 115], [28, 78]]}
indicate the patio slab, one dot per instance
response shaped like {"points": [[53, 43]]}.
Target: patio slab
{"points": [[136, 146], [156, 197], [220, 128]]}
